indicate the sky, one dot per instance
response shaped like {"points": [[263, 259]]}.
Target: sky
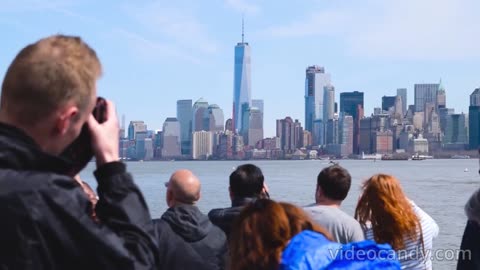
{"points": [[154, 53]]}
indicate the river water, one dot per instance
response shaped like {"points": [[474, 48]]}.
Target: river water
{"points": [[440, 187]]}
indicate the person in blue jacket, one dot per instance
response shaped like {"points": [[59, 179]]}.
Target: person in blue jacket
{"points": [[269, 236]]}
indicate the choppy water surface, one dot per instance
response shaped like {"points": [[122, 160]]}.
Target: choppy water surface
{"points": [[440, 187]]}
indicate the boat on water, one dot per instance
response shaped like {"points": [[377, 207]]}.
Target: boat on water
{"points": [[460, 157], [395, 157], [371, 157], [421, 157]]}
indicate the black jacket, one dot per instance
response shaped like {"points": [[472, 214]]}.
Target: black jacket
{"points": [[224, 217], [45, 218], [469, 258], [188, 240]]}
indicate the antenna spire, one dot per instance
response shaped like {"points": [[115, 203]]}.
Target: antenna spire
{"points": [[243, 32]]}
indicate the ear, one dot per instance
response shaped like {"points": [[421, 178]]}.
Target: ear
{"points": [[318, 192], [66, 118]]}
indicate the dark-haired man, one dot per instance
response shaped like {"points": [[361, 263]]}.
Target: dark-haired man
{"points": [[246, 185], [333, 184]]}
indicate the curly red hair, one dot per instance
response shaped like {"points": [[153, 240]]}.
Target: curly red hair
{"points": [[262, 231], [389, 211]]}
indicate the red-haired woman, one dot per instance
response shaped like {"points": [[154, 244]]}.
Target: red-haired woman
{"points": [[262, 231], [388, 216]]}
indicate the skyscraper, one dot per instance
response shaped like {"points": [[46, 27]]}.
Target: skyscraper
{"points": [[285, 131], [202, 144], [474, 120], [140, 137], [441, 96], [455, 130], [329, 102], [255, 131], [315, 82], [184, 117], [388, 102], [241, 84], [134, 127], [258, 103], [171, 138], [200, 115], [229, 125], [425, 93], [402, 92], [351, 103], [346, 133], [215, 118]]}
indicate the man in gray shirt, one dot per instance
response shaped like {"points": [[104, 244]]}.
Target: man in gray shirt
{"points": [[333, 184]]}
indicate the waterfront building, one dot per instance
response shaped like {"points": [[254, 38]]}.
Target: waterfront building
{"points": [[184, 117], [455, 132], [402, 92], [255, 124], [134, 127], [316, 83], [425, 93], [388, 102], [202, 144], [420, 145], [200, 119], [215, 118], [351, 103], [474, 120], [171, 133]]}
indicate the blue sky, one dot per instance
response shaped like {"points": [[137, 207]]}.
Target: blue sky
{"points": [[155, 52]]}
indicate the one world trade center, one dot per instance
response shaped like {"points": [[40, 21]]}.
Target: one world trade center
{"points": [[241, 87]]}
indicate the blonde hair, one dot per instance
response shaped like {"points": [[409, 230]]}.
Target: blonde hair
{"points": [[46, 75], [384, 204]]}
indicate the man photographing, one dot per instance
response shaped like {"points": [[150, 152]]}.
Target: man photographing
{"points": [[48, 94]]}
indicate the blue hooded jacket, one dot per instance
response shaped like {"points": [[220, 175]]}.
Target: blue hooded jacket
{"points": [[312, 251]]}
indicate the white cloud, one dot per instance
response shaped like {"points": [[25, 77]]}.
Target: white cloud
{"points": [[149, 49], [178, 26], [243, 6], [395, 29]]}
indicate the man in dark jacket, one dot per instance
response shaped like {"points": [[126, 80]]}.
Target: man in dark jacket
{"points": [[48, 94], [246, 185], [186, 238], [469, 257]]}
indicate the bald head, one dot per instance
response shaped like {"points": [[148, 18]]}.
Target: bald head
{"points": [[183, 187]]}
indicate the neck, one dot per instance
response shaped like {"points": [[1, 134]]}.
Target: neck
{"points": [[328, 202], [179, 203], [31, 130], [239, 201]]}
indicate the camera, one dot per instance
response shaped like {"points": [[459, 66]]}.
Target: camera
{"points": [[80, 151]]}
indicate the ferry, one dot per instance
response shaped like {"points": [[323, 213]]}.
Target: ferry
{"points": [[371, 157], [395, 157], [460, 157], [421, 157]]}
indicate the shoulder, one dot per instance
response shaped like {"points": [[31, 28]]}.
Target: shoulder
{"points": [[162, 228], [14, 184], [224, 212]]}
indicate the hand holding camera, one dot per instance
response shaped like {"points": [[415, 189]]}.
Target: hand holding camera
{"points": [[99, 138], [104, 135]]}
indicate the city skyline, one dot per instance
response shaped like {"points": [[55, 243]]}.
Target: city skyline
{"points": [[154, 53]]}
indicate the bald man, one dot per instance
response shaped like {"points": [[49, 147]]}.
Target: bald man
{"points": [[186, 237]]}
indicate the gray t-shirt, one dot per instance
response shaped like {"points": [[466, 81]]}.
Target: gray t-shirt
{"points": [[342, 227]]}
